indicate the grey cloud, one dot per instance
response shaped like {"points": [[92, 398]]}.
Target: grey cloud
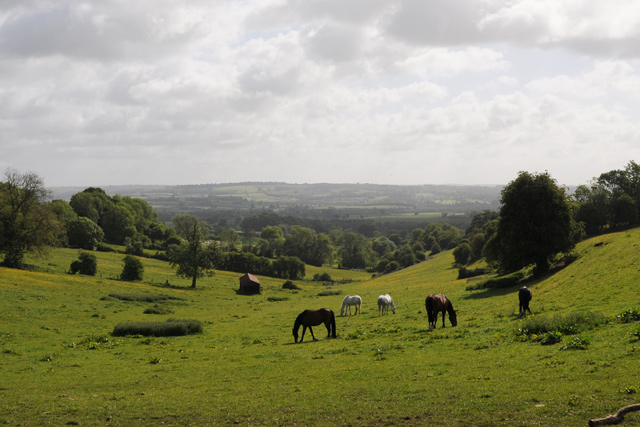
{"points": [[101, 34], [337, 43], [436, 22]]}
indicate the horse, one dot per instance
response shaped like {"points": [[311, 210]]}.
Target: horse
{"points": [[309, 318], [384, 302], [348, 301], [524, 295], [436, 304]]}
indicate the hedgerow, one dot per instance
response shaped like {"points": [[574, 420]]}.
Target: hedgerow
{"points": [[143, 297], [170, 328]]}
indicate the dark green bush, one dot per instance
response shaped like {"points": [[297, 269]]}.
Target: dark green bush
{"points": [[170, 328], [290, 285], [86, 264], [274, 299], [630, 315], [133, 269], [576, 343], [324, 277], [549, 338]]}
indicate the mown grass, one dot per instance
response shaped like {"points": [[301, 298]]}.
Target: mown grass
{"points": [[60, 365]]}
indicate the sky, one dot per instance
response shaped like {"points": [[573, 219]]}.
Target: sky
{"points": [[409, 92]]}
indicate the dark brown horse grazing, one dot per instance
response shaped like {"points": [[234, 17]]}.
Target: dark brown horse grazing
{"points": [[524, 295], [436, 304], [309, 318]]}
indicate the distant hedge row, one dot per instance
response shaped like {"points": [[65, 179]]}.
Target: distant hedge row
{"points": [[285, 267]]}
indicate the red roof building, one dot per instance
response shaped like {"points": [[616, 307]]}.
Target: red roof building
{"points": [[249, 285]]}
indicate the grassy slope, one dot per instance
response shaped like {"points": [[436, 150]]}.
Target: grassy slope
{"points": [[380, 371]]}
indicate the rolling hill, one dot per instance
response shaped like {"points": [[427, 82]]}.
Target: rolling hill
{"points": [[59, 365]]}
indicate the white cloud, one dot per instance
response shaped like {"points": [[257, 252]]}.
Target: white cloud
{"points": [[404, 91]]}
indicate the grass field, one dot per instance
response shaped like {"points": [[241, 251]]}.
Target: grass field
{"points": [[59, 365]]}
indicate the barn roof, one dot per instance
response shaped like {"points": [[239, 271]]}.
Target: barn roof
{"points": [[249, 278]]}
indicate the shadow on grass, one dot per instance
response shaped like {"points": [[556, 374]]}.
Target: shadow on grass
{"points": [[529, 281]]}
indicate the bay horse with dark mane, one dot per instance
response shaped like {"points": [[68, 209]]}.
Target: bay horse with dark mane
{"points": [[309, 318], [436, 304], [525, 296]]}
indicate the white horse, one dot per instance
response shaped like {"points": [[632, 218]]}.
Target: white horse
{"points": [[384, 302], [348, 301]]}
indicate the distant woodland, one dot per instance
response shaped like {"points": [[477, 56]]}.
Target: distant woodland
{"points": [[276, 228], [254, 205]]}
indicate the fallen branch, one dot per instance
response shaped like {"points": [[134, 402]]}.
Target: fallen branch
{"points": [[616, 418]]}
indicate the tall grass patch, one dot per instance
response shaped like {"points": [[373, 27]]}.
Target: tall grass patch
{"points": [[143, 297], [568, 324], [170, 328]]}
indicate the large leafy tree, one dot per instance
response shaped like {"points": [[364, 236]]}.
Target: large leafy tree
{"points": [[355, 251], [194, 257], [535, 223], [306, 244], [27, 221], [84, 233]]}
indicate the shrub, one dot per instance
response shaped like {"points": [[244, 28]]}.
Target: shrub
{"points": [[382, 265], [462, 254], [170, 328], [576, 343], [86, 264], [274, 299], [290, 285], [549, 338], [391, 267], [133, 269], [630, 315], [435, 249], [156, 309], [324, 277]]}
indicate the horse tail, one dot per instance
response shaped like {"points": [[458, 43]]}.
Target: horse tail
{"points": [[333, 324]]}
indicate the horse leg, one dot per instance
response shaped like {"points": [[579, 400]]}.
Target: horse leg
{"points": [[443, 316], [304, 329], [312, 336], [327, 324]]}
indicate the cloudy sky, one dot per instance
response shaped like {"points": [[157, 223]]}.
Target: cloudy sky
{"points": [[348, 91]]}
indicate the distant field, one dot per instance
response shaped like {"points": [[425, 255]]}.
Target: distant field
{"points": [[59, 365]]}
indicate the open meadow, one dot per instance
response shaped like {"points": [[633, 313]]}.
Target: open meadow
{"points": [[60, 365]]}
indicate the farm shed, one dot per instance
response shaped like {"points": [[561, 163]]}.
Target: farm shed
{"points": [[249, 285]]}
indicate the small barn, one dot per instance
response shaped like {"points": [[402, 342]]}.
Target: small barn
{"points": [[249, 285]]}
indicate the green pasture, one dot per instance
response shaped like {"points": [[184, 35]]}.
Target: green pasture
{"points": [[59, 364]]}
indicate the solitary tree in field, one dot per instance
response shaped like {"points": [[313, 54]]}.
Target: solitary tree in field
{"points": [[535, 223], [27, 221], [194, 257]]}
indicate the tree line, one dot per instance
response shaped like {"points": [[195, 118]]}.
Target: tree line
{"points": [[537, 219]]}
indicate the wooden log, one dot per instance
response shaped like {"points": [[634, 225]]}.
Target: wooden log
{"points": [[616, 418]]}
